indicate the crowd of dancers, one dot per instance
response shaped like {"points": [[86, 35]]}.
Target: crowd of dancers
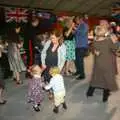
{"points": [[47, 57]]}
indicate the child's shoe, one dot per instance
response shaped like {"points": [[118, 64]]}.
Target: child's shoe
{"points": [[55, 110], [64, 105], [50, 96], [38, 104], [36, 108]]}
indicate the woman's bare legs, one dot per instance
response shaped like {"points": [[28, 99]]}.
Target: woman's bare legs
{"points": [[17, 76], [67, 68], [2, 101], [70, 67]]}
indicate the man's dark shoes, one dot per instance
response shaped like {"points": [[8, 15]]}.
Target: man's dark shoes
{"points": [[80, 77], [75, 74]]}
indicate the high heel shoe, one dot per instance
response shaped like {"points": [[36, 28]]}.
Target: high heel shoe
{"points": [[14, 79], [19, 82], [90, 91], [3, 102], [70, 72], [106, 94]]}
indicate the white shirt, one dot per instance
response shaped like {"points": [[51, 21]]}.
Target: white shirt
{"points": [[56, 83]]}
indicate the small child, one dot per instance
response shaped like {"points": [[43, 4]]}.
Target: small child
{"points": [[35, 90], [57, 85]]}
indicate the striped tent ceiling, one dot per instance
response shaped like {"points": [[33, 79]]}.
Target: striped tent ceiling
{"points": [[90, 7]]}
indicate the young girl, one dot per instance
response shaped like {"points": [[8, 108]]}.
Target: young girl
{"points": [[57, 85], [35, 90]]}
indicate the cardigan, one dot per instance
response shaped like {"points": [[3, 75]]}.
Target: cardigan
{"points": [[61, 54]]}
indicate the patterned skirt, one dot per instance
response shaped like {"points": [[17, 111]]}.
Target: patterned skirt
{"points": [[70, 50], [16, 63]]}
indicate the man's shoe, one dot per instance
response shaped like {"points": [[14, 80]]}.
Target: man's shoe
{"points": [[80, 78], [75, 74]]}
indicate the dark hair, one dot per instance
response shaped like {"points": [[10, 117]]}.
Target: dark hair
{"points": [[12, 36], [17, 25], [77, 17]]}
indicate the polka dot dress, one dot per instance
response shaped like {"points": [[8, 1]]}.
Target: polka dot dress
{"points": [[70, 49]]}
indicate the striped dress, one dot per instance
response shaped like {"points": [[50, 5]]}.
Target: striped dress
{"points": [[14, 58]]}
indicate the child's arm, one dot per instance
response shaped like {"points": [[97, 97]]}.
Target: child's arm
{"points": [[42, 82], [49, 86]]}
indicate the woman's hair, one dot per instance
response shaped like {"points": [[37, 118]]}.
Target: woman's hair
{"points": [[105, 23], [54, 71], [12, 36], [100, 31], [58, 34], [68, 22], [35, 70], [77, 18]]}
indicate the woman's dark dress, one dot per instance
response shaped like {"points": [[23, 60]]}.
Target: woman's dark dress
{"points": [[104, 68], [50, 61]]}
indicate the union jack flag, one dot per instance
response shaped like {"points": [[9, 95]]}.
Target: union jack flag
{"points": [[16, 14]]}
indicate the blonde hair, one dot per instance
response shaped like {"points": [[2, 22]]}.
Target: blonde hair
{"points": [[68, 22], [100, 31], [35, 70], [54, 71]]}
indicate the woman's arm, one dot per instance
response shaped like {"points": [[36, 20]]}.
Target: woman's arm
{"points": [[61, 56], [69, 31], [114, 38], [50, 85], [114, 42], [1, 49], [43, 53], [82, 29]]}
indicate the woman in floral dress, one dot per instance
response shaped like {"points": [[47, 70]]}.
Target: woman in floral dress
{"points": [[70, 46]]}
